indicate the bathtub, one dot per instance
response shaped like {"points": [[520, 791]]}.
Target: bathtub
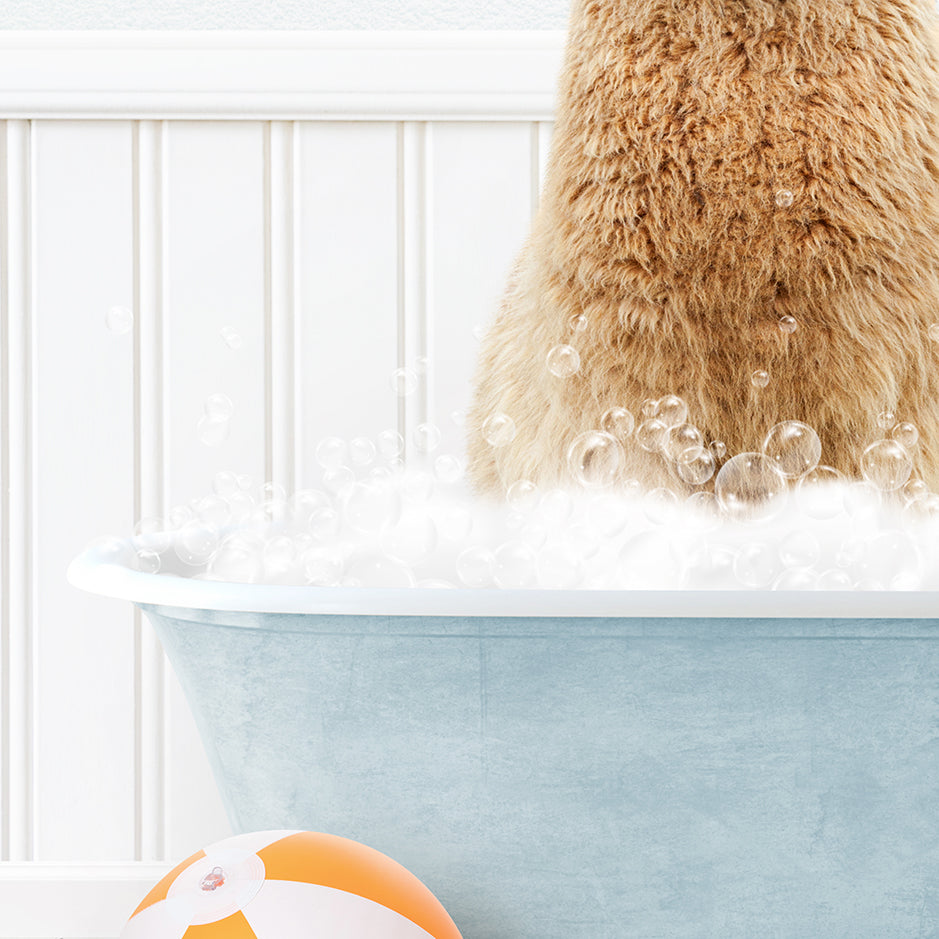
{"points": [[582, 765]]}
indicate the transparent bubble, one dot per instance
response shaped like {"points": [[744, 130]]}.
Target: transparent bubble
{"points": [[886, 419], [660, 506], [148, 562], [196, 542], [818, 494], [755, 565], [788, 324], [119, 320], [513, 566], [684, 442], [376, 570], [834, 579], [915, 490], [534, 533], [390, 444], [325, 523], [404, 382], [303, 503], [652, 435], [595, 459], [474, 566], [421, 364], [559, 568], [718, 449], [213, 432], [703, 511], [418, 486], [218, 407], [178, 516], [799, 549], [214, 509], [362, 451], [458, 417], [583, 539], [578, 323], [618, 423], [886, 464], [697, 469], [890, 554], [238, 559], [749, 487], [933, 332], [372, 505], [241, 505], [499, 430], [426, 437], [331, 452], [671, 410], [608, 513], [563, 361], [760, 378], [794, 447], [152, 534], [796, 578], [648, 407], [448, 469], [522, 494], [555, 507], [322, 567], [272, 492], [231, 337], [225, 484], [338, 481], [784, 198], [479, 332], [906, 434]]}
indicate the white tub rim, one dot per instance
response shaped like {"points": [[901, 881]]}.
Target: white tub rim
{"points": [[90, 571]]}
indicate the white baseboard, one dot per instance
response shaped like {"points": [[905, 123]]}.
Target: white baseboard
{"points": [[72, 901]]}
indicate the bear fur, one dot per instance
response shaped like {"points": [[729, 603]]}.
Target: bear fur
{"points": [[681, 125]]}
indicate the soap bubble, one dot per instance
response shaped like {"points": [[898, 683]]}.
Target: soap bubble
{"points": [[474, 566], [583, 540], [788, 324], [218, 407], [834, 579], [534, 533], [796, 578], [362, 451], [241, 505], [578, 323], [514, 565], [375, 570], [418, 486], [322, 567], [671, 410], [755, 564], [749, 487], [760, 378], [906, 434], [886, 464], [231, 337], [563, 361], [148, 562], [556, 506], [448, 469], [372, 504], [618, 423], [933, 332], [784, 198], [522, 494], [458, 416], [886, 419], [390, 444], [119, 320], [817, 495], [338, 481], [595, 459], [225, 484], [238, 559], [915, 490], [718, 449], [799, 549], [325, 523], [697, 469], [559, 568], [498, 430], [652, 435], [303, 503], [684, 443], [152, 534], [196, 542], [660, 506], [648, 407], [272, 492], [214, 509], [794, 447], [420, 365], [608, 513], [426, 437], [412, 539], [403, 382], [330, 453], [213, 432]]}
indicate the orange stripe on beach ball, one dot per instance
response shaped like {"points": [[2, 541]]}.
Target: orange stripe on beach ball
{"points": [[160, 890], [331, 861], [232, 927]]}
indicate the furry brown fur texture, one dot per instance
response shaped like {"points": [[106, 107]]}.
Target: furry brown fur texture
{"points": [[678, 123]]}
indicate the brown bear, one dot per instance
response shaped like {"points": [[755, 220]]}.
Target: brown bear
{"points": [[741, 208]]}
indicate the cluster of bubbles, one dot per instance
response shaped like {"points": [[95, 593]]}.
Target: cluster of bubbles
{"points": [[776, 518], [215, 424]]}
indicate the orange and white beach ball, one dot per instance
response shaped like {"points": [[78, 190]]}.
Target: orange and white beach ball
{"points": [[288, 885]]}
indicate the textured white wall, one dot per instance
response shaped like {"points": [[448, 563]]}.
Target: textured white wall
{"points": [[283, 14]]}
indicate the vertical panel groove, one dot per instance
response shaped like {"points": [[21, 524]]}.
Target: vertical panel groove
{"points": [[413, 333], [296, 195], [150, 760], [4, 505], [20, 606], [280, 297], [268, 324]]}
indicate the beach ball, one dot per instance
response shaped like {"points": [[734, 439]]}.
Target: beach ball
{"points": [[289, 885]]}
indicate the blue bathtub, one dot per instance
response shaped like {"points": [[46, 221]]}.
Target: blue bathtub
{"points": [[574, 765]]}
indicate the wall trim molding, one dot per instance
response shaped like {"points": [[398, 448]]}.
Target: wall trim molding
{"points": [[78, 901], [279, 75]]}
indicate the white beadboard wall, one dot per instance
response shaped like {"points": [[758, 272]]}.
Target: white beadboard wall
{"points": [[347, 202]]}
